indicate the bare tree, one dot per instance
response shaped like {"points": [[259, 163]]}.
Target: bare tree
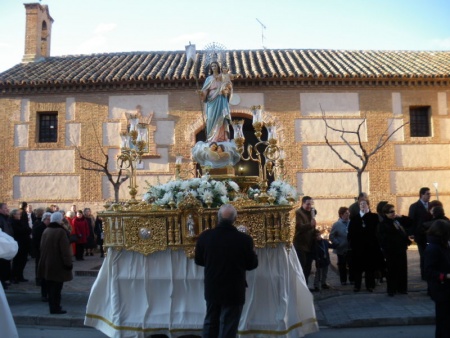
{"points": [[90, 164], [365, 154]]}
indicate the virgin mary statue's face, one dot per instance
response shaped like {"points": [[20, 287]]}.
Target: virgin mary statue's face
{"points": [[214, 67]]}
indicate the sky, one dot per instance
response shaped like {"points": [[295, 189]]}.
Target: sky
{"points": [[104, 26]]}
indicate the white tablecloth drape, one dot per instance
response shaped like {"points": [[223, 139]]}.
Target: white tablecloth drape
{"points": [[135, 296]]}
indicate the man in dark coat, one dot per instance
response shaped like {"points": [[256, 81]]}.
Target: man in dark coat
{"points": [[419, 213], [304, 237], [226, 254]]}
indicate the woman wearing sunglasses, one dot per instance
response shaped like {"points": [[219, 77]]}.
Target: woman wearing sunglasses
{"points": [[394, 242]]}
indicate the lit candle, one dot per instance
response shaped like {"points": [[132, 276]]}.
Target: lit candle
{"points": [[257, 114], [133, 123], [125, 140]]}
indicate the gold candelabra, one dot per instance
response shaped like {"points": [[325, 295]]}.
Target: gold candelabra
{"points": [[178, 172], [131, 150], [273, 155]]}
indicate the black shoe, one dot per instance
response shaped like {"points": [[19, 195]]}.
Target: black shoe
{"points": [[58, 312], [391, 294], [325, 286], [316, 289], [23, 280], [343, 283], [356, 289], [44, 299], [403, 292], [370, 289]]}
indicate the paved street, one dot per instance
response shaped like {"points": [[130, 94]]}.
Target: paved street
{"points": [[338, 307]]}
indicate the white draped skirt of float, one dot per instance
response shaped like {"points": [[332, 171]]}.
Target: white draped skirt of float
{"points": [[135, 296]]}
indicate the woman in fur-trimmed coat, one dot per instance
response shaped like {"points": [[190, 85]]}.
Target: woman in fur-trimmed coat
{"points": [[55, 265]]}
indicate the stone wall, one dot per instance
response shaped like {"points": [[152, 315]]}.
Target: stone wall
{"points": [[90, 123]]}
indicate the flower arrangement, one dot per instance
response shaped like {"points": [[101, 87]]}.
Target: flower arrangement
{"points": [[282, 192], [210, 192], [213, 193]]}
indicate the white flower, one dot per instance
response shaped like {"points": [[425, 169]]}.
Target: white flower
{"points": [[283, 201], [207, 196], [224, 199], [233, 185], [220, 188], [272, 192]]}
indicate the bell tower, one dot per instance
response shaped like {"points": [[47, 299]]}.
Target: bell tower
{"points": [[37, 32]]}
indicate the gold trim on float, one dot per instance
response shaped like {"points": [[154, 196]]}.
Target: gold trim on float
{"points": [[130, 328], [293, 327]]}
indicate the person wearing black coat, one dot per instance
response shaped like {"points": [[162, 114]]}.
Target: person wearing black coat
{"points": [[437, 273], [22, 234], [363, 242], [394, 242], [37, 231], [226, 254], [419, 213]]}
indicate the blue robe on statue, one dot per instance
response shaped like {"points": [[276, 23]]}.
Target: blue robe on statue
{"points": [[217, 110]]}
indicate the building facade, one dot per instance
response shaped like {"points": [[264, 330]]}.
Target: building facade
{"points": [[54, 108]]}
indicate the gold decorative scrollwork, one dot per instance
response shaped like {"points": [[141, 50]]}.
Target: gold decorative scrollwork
{"points": [[169, 229]]}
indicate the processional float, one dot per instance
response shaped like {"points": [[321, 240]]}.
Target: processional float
{"points": [[149, 283]]}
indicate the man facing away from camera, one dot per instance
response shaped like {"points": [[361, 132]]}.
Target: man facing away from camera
{"points": [[226, 254]]}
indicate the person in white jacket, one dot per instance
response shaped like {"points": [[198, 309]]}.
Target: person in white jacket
{"points": [[8, 249]]}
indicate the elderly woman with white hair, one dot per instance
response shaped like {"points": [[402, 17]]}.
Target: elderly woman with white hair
{"points": [[55, 265]]}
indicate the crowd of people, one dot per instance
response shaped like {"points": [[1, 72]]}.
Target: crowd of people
{"points": [[374, 245], [53, 238]]}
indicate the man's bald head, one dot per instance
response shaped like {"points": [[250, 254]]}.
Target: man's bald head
{"points": [[227, 213]]}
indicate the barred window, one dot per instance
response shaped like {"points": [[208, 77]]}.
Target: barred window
{"points": [[48, 127], [420, 121]]}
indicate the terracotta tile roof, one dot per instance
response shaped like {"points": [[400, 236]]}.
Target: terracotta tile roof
{"points": [[286, 64]]}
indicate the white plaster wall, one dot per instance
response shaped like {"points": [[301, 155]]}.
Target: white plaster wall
{"points": [[331, 184], [442, 103], [25, 110], [108, 190], [46, 187], [248, 100], [333, 104], [149, 164], [396, 103], [165, 132], [47, 161], [327, 209], [119, 105], [444, 125], [73, 134], [393, 124], [111, 134], [431, 155], [21, 135], [410, 182], [70, 108], [314, 130], [322, 157]]}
